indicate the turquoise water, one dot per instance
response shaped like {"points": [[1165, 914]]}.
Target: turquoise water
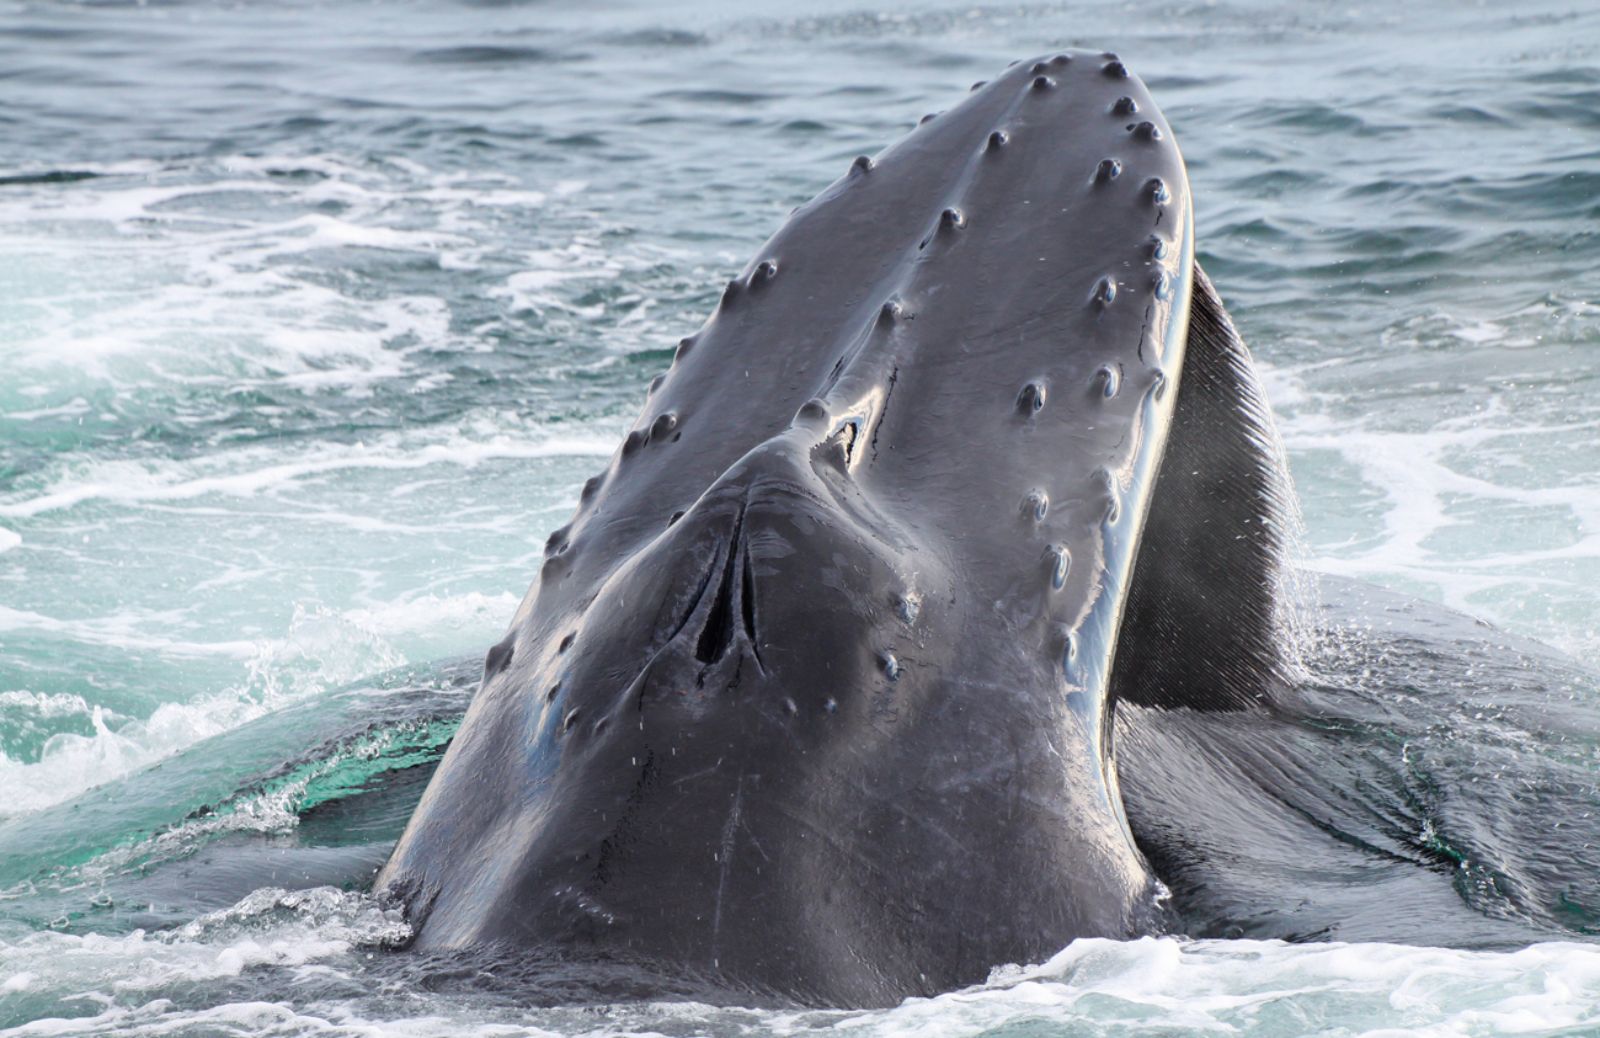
{"points": [[314, 318]]}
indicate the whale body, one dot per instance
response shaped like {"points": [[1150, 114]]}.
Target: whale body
{"points": [[968, 480]]}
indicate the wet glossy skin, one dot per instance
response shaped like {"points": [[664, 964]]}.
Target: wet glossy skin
{"points": [[811, 694]]}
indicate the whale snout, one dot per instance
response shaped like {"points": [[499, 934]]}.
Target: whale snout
{"points": [[784, 599]]}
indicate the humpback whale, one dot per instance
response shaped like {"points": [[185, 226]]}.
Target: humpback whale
{"points": [[967, 482]]}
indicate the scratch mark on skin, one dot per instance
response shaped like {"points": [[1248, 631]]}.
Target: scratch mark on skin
{"points": [[725, 861], [894, 376]]}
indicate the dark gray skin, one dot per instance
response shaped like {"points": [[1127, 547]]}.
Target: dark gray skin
{"points": [[815, 694]]}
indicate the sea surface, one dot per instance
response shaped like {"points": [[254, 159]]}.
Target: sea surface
{"points": [[314, 317]]}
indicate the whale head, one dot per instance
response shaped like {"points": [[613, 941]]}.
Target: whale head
{"points": [[815, 691]]}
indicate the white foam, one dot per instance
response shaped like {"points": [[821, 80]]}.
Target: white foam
{"points": [[142, 281], [1094, 987], [120, 632], [1461, 506], [255, 470], [270, 928], [1166, 986], [430, 613], [9, 539], [321, 650]]}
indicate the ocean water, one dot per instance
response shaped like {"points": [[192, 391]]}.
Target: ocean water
{"points": [[315, 317]]}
